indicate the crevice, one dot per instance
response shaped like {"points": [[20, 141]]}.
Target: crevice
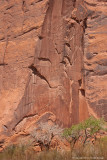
{"points": [[88, 64], [102, 0], [76, 20], [2, 39], [40, 37], [90, 4], [68, 59], [5, 127], [39, 1], [74, 3], [24, 8], [66, 74], [95, 53], [31, 29], [90, 70], [68, 45], [71, 25], [84, 28], [82, 92], [33, 3], [29, 103], [23, 5], [1, 142], [1, 145], [82, 42], [3, 64], [85, 24], [44, 59], [9, 7], [63, 62], [37, 73], [96, 16], [87, 72], [28, 116], [91, 37], [55, 45], [57, 50], [80, 82]]}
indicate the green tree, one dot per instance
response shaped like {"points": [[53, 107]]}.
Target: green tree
{"points": [[86, 129]]}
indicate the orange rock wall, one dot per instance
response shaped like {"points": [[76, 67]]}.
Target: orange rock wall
{"points": [[95, 57], [53, 61]]}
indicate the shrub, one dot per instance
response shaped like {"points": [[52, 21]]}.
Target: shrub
{"points": [[85, 129], [45, 133]]}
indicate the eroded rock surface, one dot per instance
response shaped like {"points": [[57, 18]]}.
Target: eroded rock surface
{"points": [[52, 60], [95, 57]]}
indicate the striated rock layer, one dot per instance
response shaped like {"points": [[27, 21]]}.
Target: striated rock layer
{"points": [[95, 57], [53, 63]]}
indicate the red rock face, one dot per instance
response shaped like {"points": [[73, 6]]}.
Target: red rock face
{"points": [[95, 57], [53, 61]]}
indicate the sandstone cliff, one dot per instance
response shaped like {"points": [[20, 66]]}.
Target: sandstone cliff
{"points": [[53, 63]]}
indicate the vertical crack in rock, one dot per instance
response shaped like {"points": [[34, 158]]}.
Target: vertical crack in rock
{"points": [[85, 24], [25, 106], [24, 6], [5, 50], [74, 3], [71, 101], [82, 92], [60, 42], [68, 57], [80, 82]]}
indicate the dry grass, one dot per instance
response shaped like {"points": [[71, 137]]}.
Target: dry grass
{"points": [[96, 151], [20, 153]]}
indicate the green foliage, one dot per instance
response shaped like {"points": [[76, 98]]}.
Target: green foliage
{"points": [[73, 131], [93, 125]]}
